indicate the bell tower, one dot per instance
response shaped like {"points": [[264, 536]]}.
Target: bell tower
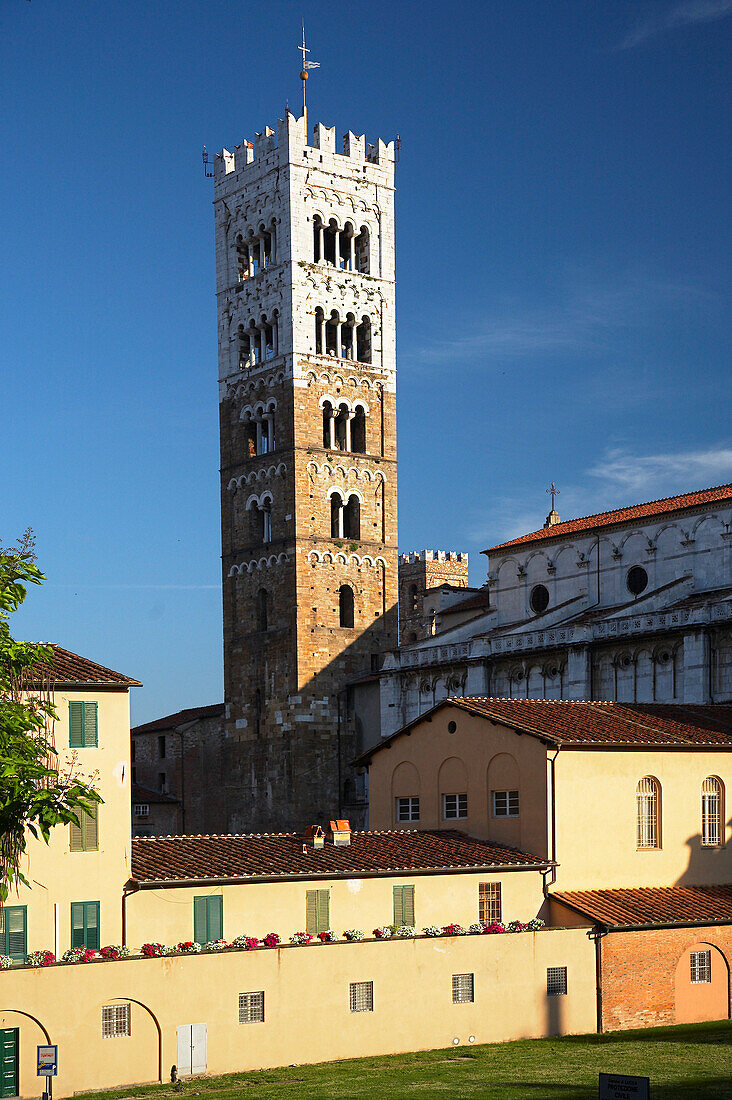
{"points": [[307, 379]]}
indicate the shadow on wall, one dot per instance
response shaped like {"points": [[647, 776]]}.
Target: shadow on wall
{"points": [[707, 863]]}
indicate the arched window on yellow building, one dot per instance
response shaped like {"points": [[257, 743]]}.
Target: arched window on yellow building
{"points": [[648, 802], [711, 812]]}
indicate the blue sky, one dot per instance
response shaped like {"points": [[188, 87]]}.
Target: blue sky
{"points": [[563, 246]]}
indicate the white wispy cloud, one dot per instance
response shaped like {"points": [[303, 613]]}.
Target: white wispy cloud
{"points": [[585, 317], [621, 477], [686, 13]]}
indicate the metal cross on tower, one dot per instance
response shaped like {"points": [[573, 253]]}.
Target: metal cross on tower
{"points": [[554, 492], [304, 72]]}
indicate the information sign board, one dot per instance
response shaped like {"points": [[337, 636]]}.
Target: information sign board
{"points": [[618, 1086], [47, 1061]]}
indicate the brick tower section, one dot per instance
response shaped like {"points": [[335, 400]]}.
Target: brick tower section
{"points": [[307, 377], [419, 571]]}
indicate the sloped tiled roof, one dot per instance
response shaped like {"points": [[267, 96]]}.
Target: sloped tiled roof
{"points": [[479, 599], [278, 855], [147, 794], [575, 723], [651, 509], [652, 905], [170, 721], [70, 668]]}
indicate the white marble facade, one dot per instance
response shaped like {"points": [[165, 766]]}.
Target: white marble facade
{"points": [[636, 611]]}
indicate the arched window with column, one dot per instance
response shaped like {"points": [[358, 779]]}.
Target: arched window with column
{"points": [[342, 426], [319, 331], [712, 812], [352, 518], [260, 519], [358, 430], [336, 516], [363, 340], [328, 425], [648, 810], [262, 609], [346, 615]]}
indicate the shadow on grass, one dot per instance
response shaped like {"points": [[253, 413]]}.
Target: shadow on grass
{"points": [[717, 1032]]}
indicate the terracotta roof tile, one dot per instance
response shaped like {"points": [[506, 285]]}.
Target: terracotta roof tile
{"points": [[70, 668], [652, 904], [277, 855], [170, 721], [623, 515], [576, 723]]}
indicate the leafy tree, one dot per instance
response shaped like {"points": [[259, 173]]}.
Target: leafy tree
{"points": [[37, 792]]}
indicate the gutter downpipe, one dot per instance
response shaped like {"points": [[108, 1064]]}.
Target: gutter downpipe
{"points": [[130, 887], [552, 787], [596, 934]]}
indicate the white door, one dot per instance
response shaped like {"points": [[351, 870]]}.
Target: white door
{"points": [[191, 1049]]}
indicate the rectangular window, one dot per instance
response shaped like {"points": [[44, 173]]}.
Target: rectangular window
{"points": [[162, 783], [317, 911], [13, 932], [84, 837], [505, 803], [82, 725], [454, 806], [404, 906], [251, 1008], [161, 746], [85, 924], [701, 967], [116, 1021], [141, 809], [362, 997], [462, 989], [407, 809], [556, 981], [489, 902], [208, 918]]}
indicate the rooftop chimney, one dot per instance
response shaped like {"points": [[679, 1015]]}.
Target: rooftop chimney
{"points": [[341, 831], [315, 835]]}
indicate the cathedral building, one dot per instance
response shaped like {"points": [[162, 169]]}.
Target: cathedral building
{"points": [[632, 605], [307, 377]]}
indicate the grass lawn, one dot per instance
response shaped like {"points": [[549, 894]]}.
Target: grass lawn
{"points": [[690, 1062]]}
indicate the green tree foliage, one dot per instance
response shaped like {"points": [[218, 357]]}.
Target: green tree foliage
{"points": [[37, 792]]}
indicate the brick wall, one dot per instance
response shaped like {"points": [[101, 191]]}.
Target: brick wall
{"points": [[639, 972], [421, 571]]}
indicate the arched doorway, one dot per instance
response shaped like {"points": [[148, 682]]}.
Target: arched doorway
{"points": [[701, 985]]}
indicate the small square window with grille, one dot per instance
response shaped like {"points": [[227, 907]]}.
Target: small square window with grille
{"points": [[362, 996], [454, 806], [251, 1008], [701, 967], [142, 809], [505, 803], [556, 981], [116, 1021], [489, 902], [407, 809], [462, 989]]}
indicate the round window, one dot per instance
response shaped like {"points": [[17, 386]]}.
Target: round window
{"points": [[451, 727], [636, 580], [539, 598]]}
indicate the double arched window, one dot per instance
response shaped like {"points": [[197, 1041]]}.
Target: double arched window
{"points": [[260, 519], [345, 516], [647, 809], [712, 812], [346, 617]]}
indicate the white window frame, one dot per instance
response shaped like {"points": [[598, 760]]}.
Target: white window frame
{"points": [[361, 996], [463, 989], [251, 1007], [412, 808], [711, 812], [116, 1021], [141, 809], [454, 807], [700, 967], [505, 803]]}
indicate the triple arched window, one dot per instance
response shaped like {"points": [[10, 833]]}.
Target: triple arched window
{"points": [[344, 429], [346, 248], [256, 251], [258, 341], [259, 426], [344, 337]]}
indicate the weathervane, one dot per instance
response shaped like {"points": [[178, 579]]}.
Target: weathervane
{"points": [[304, 72], [554, 492]]}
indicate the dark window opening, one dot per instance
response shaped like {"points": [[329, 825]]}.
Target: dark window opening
{"points": [[262, 609], [161, 746], [413, 598], [637, 580], [539, 598], [358, 432], [336, 516], [345, 606], [363, 341], [352, 518]]}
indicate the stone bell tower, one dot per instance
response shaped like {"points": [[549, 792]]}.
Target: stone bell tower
{"points": [[307, 378]]}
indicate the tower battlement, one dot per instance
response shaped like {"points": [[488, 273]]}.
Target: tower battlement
{"points": [[431, 555], [290, 143]]}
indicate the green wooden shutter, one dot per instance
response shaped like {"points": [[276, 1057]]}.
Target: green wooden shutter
{"points": [[90, 824], [215, 918], [398, 907], [9, 1062], [311, 911], [408, 905], [76, 839], [323, 910], [91, 913], [200, 921], [90, 724], [15, 932], [77, 924], [76, 725]]}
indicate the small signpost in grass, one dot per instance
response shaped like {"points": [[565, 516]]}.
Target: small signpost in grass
{"points": [[618, 1086]]}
